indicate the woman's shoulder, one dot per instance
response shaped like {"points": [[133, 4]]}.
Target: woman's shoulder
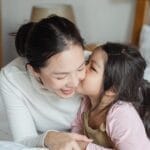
{"points": [[15, 66], [14, 72]]}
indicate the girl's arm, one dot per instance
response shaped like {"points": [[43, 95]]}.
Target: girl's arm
{"points": [[92, 146], [77, 128], [125, 128]]}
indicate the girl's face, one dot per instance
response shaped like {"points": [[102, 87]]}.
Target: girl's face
{"points": [[92, 85], [64, 71]]}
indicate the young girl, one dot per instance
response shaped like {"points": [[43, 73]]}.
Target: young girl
{"points": [[117, 95]]}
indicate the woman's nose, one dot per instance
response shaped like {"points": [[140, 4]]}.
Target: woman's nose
{"points": [[87, 68], [73, 80]]}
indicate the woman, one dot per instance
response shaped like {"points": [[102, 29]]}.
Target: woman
{"points": [[38, 88]]}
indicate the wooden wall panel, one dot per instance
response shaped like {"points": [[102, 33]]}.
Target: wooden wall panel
{"points": [[141, 14]]}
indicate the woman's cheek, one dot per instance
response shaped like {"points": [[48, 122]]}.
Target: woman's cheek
{"points": [[56, 84]]}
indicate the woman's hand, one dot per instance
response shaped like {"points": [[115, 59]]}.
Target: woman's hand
{"points": [[64, 141]]}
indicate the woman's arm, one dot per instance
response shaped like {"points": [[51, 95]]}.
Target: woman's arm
{"points": [[19, 118]]}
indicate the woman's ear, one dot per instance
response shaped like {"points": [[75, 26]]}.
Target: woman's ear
{"points": [[32, 70]]}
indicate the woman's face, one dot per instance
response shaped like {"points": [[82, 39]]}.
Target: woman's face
{"points": [[64, 71], [92, 85]]}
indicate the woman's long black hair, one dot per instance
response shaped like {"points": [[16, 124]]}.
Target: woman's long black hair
{"points": [[39, 41], [124, 73]]}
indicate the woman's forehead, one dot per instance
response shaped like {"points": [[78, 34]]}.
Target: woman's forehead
{"points": [[67, 60]]}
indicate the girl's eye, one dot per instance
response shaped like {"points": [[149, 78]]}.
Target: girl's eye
{"points": [[86, 62], [92, 68]]}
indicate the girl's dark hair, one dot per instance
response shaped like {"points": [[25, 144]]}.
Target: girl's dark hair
{"points": [[124, 74], [39, 41]]}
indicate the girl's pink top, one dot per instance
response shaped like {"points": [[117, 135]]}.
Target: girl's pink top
{"points": [[123, 126]]}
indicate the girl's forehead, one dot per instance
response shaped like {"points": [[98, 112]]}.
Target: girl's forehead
{"points": [[99, 53], [99, 56]]}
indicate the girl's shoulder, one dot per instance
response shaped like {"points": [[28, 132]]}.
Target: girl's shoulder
{"points": [[123, 116], [119, 105], [125, 127], [121, 109]]}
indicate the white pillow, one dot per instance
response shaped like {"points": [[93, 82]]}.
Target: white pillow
{"points": [[144, 43], [87, 54], [147, 74]]}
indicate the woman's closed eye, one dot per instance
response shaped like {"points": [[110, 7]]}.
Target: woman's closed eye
{"points": [[61, 77], [86, 62]]}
